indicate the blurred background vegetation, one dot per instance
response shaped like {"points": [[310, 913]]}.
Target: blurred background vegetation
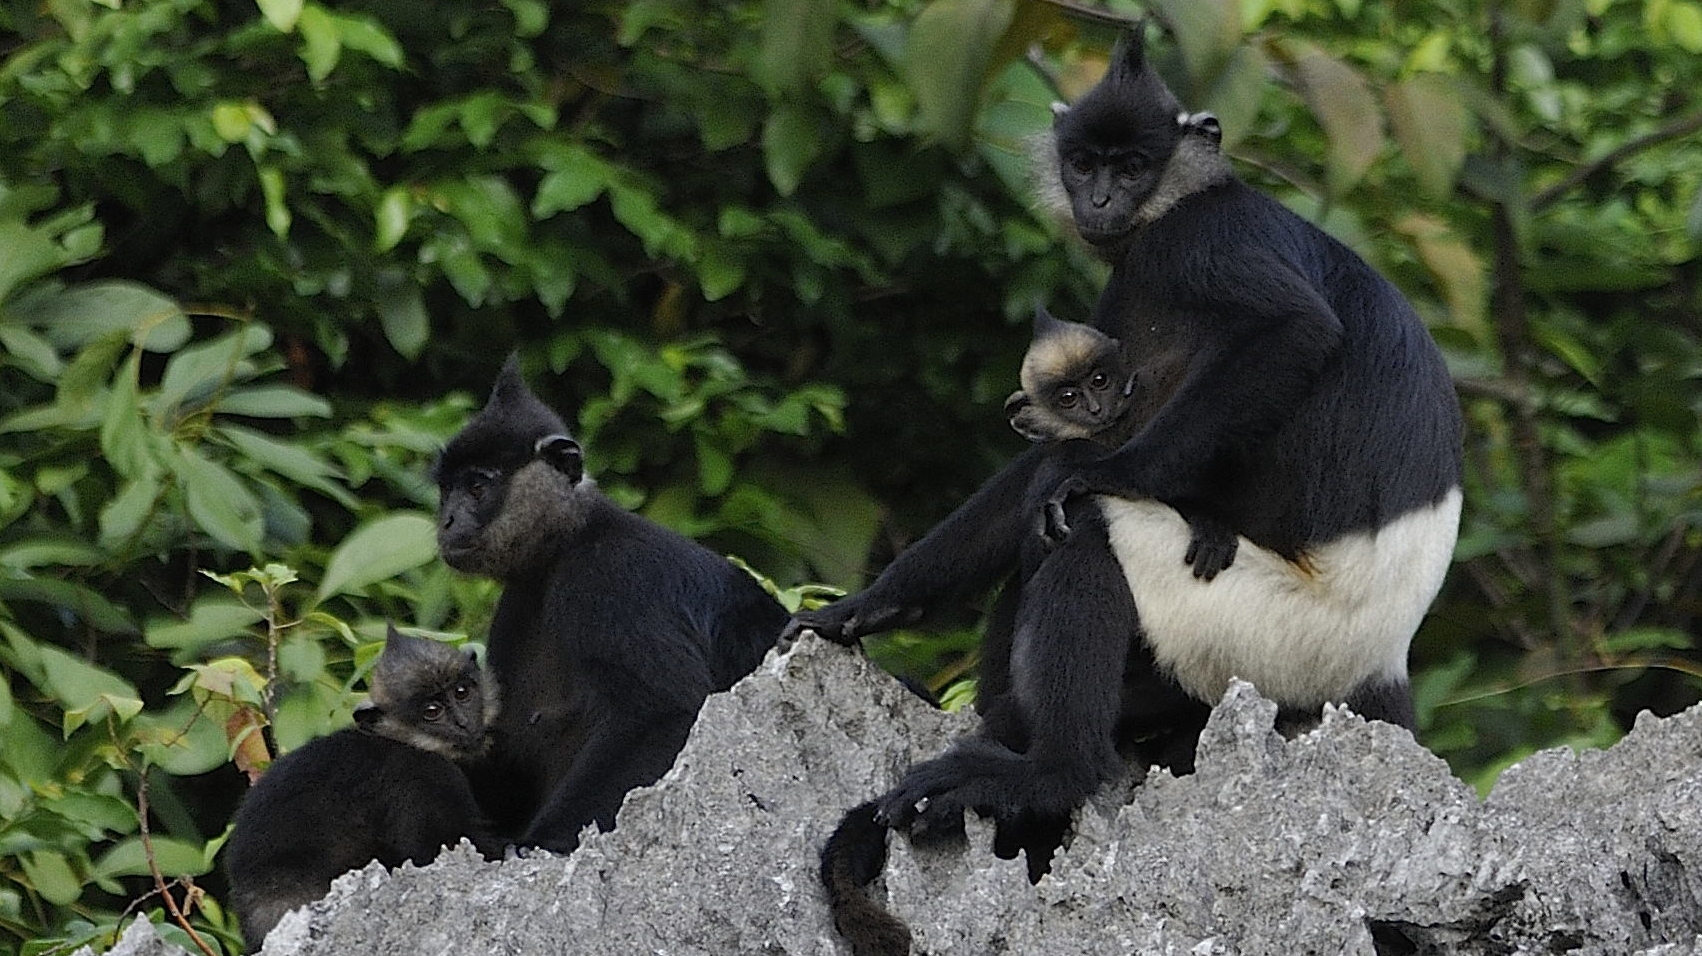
{"points": [[775, 258]]}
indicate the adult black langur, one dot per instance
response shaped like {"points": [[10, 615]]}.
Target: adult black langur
{"points": [[610, 632], [1280, 380], [389, 789], [1077, 383]]}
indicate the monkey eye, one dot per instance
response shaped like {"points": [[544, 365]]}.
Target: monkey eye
{"points": [[1099, 381], [1068, 397], [1082, 164], [479, 480], [462, 691], [432, 712]]}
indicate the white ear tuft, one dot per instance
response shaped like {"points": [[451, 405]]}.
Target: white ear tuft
{"points": [[1059, 108]]}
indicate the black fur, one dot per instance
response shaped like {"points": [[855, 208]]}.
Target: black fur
{"points": [[387, 790], [1078, 382], [610, 631], [1283, 388]]}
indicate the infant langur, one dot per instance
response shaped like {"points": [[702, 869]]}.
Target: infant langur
{"points": [[1077, 384], [389, 788]]}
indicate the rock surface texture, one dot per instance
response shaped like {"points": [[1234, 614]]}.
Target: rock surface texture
{"points": [[1350, 839]]}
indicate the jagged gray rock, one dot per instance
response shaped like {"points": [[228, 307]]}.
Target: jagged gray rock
{"points": [[1349, 839]]}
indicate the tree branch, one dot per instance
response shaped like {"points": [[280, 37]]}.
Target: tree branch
{"points": [[1677, 129]]}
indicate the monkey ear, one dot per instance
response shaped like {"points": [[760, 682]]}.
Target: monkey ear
{"points": [[510, 386], [563, 454], [1044, 321], [1128, 57], [1059, 108]]}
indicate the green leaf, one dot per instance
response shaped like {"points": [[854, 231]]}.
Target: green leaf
{"points": [[720, 271], [76, 316], [129, 857], [219, 503], [212, 618], [1207, 31], [196, 372], [1430, 124], [293, 462], [791, 141], [395, 210], [51, 875], [1342, 101], [379, 550], [407, 325], [38, 552], [71, 597], [272, 401], [797, 40], [321, 45], [184, 739], [281, 14], [86, 691], [949, 54], [124, 433], [123, 517], [564, 190]]}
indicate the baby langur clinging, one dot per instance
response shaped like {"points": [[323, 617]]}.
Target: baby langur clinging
{"points": [[1075, 383], [389, 789]]}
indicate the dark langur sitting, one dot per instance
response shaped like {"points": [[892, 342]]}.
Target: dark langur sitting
{"points": [[388, 789], [1077, 384], [610, 632], [1286, 386]]}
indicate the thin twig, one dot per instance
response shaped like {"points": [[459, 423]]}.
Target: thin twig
{"points": [[160, 884], [1677, 129]]}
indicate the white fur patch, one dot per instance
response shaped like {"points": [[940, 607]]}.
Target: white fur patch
{"points": [[1302, 635]]}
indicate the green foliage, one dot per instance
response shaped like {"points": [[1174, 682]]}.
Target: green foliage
{"points": [[776, 258]]}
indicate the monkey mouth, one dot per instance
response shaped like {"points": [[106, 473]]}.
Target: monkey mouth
{"points": [[1108, 233]]}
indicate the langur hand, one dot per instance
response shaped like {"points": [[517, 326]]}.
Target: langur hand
{"points": [[846, 621], [1054, 522]]}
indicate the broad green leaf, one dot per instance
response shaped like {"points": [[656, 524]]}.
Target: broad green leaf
{"points": [[395, 210], [51, 875], [362, 33], [195, 372], [185, 738], [123, 517], [1342, 101], [174, 857], [791, 141], [35, 552], [281, 14], [212, 619], [272, 401], [125, 437], [301, 657], [379, 550], [1430, 123], [321, 45], [797, 39], [71, 597], [78, 315], [947, 59], [720, 271], [1207, 31], [218, 502], [407, 325], [86, 691], [564, 190]]}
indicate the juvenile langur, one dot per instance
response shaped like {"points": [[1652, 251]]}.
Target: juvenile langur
{"points": [[610, 632], [389, 788], [1077, 384], [1284, 385]]}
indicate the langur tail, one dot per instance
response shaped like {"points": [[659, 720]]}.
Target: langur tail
{"points": [[851, 859]]}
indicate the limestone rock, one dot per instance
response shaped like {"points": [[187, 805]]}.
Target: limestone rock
{"points": [[1349, 839]]}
